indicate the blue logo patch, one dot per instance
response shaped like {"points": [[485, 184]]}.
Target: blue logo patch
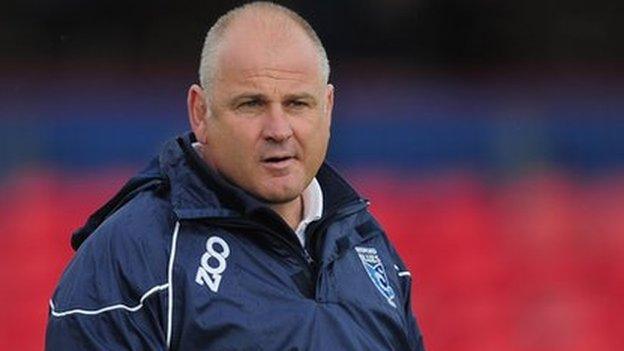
{"points": [[376, 272]]}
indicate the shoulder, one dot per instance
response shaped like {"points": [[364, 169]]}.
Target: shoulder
{"points": [[125, 258], [143, 225]]}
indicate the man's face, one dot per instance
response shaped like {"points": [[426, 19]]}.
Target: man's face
{"points": [[268, 113]]}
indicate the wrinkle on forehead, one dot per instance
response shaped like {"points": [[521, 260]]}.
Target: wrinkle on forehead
{"points": [[269, 77], [263, 72], [273, 73], [272, 83]]}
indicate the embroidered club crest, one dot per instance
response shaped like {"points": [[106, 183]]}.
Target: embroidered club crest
{"points": [[376, 272]]}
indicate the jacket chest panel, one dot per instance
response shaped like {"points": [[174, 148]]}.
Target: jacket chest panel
{"points": [[236, 295], [244, 300]]}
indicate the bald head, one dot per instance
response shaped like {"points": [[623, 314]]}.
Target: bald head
{"points": [[264, 25]]}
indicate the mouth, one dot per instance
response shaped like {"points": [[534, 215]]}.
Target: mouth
{"points": [[277, 159], [278, 163]]}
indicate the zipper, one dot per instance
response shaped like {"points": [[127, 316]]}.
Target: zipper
{"points": [[299, 252], [308, 257]]}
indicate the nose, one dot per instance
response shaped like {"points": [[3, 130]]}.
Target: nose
{"points": [[277, 126]]}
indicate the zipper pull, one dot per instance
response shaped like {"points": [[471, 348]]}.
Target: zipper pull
{"points": [[308, 258]]}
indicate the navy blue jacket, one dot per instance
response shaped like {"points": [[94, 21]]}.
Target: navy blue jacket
{"points": [[180, 259]]}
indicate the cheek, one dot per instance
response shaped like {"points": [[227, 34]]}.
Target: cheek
{"points": [[241, 152], [315, 145], [234, 145]]}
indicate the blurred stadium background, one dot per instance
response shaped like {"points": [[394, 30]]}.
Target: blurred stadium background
{"points": [[488, 135]]}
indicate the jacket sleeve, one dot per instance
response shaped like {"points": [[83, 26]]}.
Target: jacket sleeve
{"points": [[405, 281], [112, 296]]}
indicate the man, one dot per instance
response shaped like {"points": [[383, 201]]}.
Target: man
{"points": [[238, 236]]}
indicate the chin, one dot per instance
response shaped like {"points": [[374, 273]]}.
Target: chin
{"points": [[274, 195], [280, 198]]}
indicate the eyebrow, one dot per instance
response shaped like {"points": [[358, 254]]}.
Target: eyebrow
{"points": [[262, 97], [246, 96], [298, 96], [250, 96]]}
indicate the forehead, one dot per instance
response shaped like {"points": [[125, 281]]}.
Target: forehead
{"points": [[278, 50]]}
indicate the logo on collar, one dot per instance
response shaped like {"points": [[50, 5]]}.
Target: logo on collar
{"points": [[210, 274], [376, 272]]}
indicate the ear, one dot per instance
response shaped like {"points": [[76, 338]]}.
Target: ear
{"points": [[329, 102], [198, 112]]}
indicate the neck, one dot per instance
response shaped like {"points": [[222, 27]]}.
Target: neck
{"points": [[291, 212]]}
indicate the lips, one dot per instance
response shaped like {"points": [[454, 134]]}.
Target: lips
{"points": [[277, 159], [278, 165], [278, 156]]}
